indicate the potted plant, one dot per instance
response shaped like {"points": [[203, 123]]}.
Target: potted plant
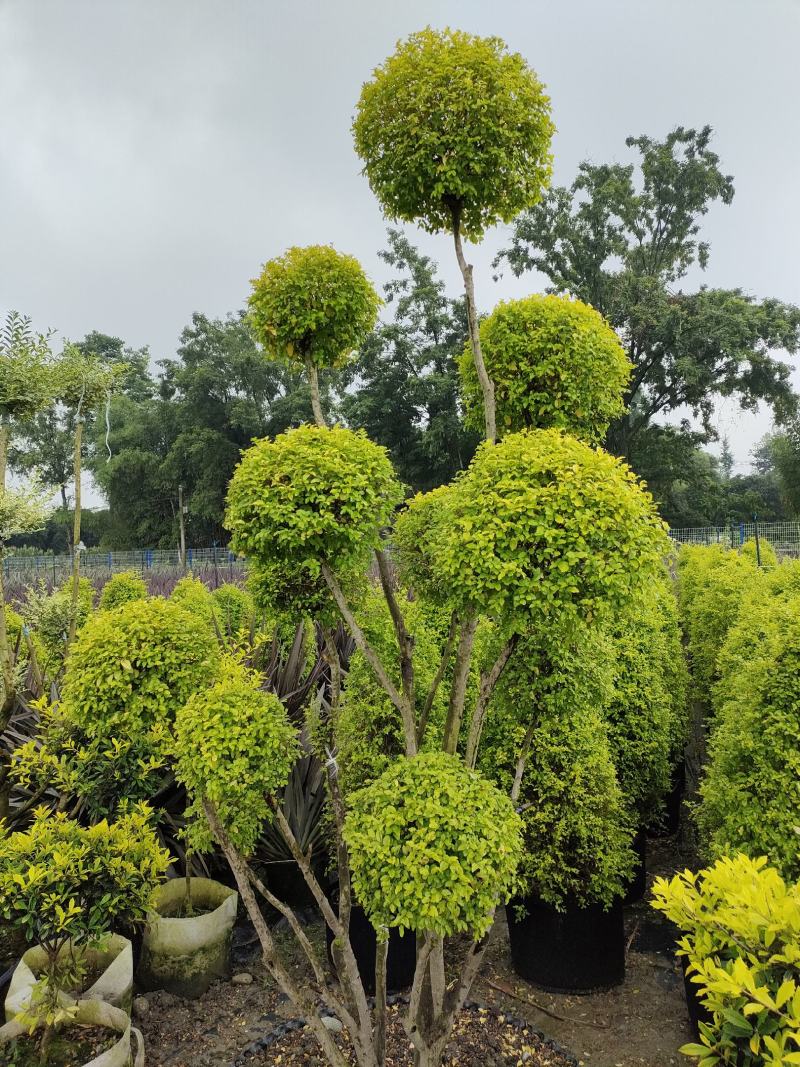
{"points": [[740, 945], [66, 886]]}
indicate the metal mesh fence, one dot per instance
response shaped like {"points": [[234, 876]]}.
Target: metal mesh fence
{"points": [[783, 536], [97, 563]]}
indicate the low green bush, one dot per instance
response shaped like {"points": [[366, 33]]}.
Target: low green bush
{"points": [[234, 608], [122, 588], [740, 926], [750, 795], [433, 846], [47, 614], [194, 595]]}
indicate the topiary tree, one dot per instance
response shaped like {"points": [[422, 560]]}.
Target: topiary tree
{"points": [[312, 307], [555, 362], [129, 671], [194, 596], [454, 132], [121, 589], [66, 886], [234, 608], [750, 801]]}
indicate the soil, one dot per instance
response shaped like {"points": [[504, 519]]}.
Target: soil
{"points": [[74, 1046], [642, 1022], [479, 1037], [183, 910]]}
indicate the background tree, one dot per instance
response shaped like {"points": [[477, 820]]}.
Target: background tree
{"points": [[622, 241], [454, 131], [782, 455], [403, 387]]}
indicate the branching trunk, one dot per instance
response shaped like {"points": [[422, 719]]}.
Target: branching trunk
{"points": [[487, 385], [458, 691], [447, 652], [405, 642], [489, 680]]}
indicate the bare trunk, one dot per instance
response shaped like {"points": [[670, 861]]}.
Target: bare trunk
{"points": [[316, 403], [379, 1013], [487, 385], [405, 642], [489, 680], [9, 694], [76, 534], [437, 680], [458, 691]]}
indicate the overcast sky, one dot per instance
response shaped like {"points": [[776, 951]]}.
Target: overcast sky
{"points": [[153, 154]]}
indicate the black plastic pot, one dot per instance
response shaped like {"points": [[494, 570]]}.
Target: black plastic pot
{"points": [[579, 950], [401, 961], [698, 1012], [638, 883]]}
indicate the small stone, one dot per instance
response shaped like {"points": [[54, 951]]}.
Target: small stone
{"points": [[243, 978], [141, 1007], [331, 1023]]}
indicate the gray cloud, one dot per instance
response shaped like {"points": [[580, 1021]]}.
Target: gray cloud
{"points": [[154, 154]]}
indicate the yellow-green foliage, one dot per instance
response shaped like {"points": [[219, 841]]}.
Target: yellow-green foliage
{"points": [[60, 880], [121, 588], [26, 369], [763, 551], [544, 531], [555, 362], [418, 528], [713, 582], [312, 304], [234, 608], [235, 748], [369, 732], [48, 617], [433, 846], [452, 121], [646, 714], [751, 790], [311, 494], [577, 831], [194, 596], [127, 674], [740, 925]]}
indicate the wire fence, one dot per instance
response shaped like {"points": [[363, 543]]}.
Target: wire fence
{"points": [[784, 537], [96, 563]]}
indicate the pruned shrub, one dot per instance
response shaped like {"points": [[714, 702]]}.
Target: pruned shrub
{"points": [[122, 588]]}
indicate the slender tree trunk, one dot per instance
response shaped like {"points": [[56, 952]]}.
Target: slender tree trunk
{"points": [[76, 533], [316, 403], [6, 664], [487, 385], [458, 691]]}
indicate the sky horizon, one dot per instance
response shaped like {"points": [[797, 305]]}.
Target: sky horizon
{"points": [[154, 156]]}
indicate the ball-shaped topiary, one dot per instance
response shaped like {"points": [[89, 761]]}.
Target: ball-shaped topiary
{"points": [[193, 595], [312, 494], [751, 790], [122, 588], [555, 362], [235, 748], [454, 123], [544, 530], [433, 846], [312, 305], [129, 671]]}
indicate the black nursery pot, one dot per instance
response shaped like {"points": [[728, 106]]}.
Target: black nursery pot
{"points": [[401, 960], [698, 1012], [579, 950], [638, 883]]}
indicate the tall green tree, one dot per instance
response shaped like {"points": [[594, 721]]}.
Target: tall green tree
{"points": [[622, 237], [781, 452], [403, 389]]}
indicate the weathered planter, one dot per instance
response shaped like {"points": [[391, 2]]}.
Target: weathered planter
{"points": [[579, 950], [96, 1013], [113, 960], [401, 960], [184, 956]]}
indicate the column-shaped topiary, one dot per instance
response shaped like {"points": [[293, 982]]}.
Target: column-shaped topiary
{"points": [[65, 886], [312, 307], [454, 131], [555, 362]]}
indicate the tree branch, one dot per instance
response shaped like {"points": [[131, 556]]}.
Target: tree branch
{"points": [[437, 680], [489, 680], [458, 691]]}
